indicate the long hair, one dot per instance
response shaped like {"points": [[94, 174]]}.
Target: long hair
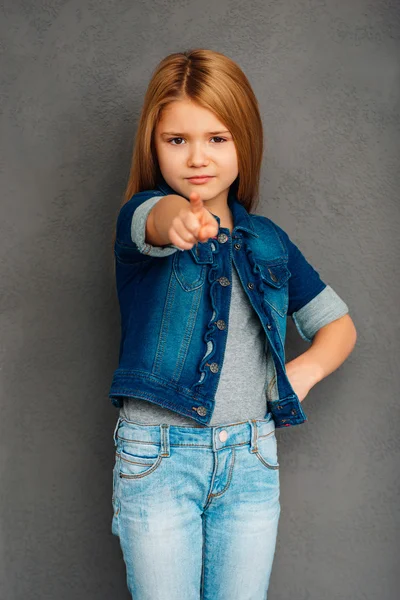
{"points": [[216, 83]]}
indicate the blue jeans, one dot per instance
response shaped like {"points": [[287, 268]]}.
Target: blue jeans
{"points": [[196, 510]]}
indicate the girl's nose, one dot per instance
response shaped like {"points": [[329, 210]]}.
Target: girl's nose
{"points": [[198, 156]]}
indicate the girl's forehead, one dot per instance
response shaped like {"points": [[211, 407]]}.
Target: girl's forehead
{"points": [[188, 116]]}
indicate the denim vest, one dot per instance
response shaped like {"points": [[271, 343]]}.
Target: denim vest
{"points": [[173, 306]]}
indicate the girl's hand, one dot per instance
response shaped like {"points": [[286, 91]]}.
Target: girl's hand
{"points": [[301, 379], [192, 224]]}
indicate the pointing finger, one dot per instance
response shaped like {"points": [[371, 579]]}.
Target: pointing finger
{"points": [[196, 203]]}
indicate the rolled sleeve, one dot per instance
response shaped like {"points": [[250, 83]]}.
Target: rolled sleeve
{"points": [[130, 245], [138, 231], [326, 307]]}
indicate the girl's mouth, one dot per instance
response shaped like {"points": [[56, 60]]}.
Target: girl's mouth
{"points": [[200, 179]]}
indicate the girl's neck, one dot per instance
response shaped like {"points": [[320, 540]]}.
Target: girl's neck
{"points": [[226, 219]]}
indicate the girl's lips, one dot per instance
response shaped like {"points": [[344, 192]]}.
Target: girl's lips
{"points": [[199, 179]]}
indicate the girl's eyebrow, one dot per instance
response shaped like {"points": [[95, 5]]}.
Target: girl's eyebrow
{"points": [[182, 134]]}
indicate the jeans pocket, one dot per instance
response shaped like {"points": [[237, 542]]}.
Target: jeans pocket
{"points": [[137, 459], [115, 483], [267, 451]]}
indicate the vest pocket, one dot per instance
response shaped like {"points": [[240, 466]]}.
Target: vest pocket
{"points": [[190, 274], [275, 275]]}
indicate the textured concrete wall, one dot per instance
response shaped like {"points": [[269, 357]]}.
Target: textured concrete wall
{"points": [[73, 75]]}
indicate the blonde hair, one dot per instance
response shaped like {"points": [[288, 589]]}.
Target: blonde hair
{"points": [[216, 83]]}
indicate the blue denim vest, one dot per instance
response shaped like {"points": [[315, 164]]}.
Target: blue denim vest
{"points": [[171, 307]]}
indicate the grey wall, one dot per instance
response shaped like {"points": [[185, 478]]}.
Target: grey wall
{"points": [[72, 83]]}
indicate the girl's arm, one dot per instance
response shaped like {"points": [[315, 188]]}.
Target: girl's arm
{"points": [[160, 218], [321, 318], [330, 347]]}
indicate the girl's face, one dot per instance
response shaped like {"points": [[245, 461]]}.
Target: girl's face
{"points": [[191, 141]]}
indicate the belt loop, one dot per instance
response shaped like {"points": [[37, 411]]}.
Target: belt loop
{"points": [[164, 436], [115, 431], [254, 435]]}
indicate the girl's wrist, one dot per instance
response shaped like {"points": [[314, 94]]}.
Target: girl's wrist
{"points": [[305, 368]]}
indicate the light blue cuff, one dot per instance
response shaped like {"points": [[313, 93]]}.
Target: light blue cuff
{"points": [[138, 230], [325, 307]]}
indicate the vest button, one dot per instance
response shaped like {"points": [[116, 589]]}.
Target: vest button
{"points": [[269, 326], [273, 276], [250, 285], [222, 237], [224, 281], [214, 367], [202, 411], [293, 411], [237, 246], [221, 324]]}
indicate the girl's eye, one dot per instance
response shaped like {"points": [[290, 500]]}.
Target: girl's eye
{"points": [[179, 138]]}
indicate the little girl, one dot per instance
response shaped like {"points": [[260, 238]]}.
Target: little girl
{"points": [[205, 287]]}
